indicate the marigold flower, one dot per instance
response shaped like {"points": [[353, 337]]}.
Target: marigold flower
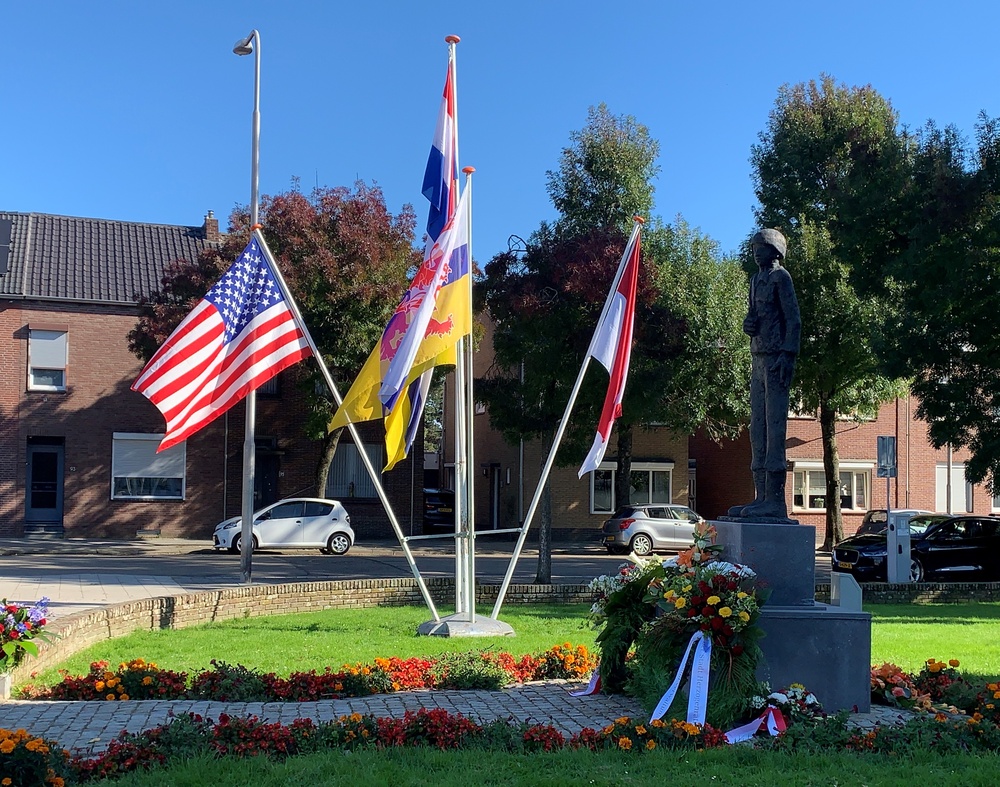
{"points": [[953, 662], [744, 616], [713, 600], [725, 612], [680, 602], [624, 743], [147, 681], [7, 746], [935, 667], [6, 781], [99, 686], [650, 744], [110, 697]]}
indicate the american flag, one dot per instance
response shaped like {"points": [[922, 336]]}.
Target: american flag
{"points": [[239, 336]]}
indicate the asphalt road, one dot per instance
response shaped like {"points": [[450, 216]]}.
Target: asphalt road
{"points": [[193, 564]]}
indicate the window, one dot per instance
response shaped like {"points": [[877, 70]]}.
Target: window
{"points": [[139, 473], [809, 486], [961, 491], [46, 360], [649, 482], [348, 476], [270, 388]]}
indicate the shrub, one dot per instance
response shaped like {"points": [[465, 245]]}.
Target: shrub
{"points": [[29, 760]]}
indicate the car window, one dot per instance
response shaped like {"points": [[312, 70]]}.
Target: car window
{"points": [[656, 512], [286, 511], [626, 511], [314, 508], [954, 530], [990, 529], [918, 524]]}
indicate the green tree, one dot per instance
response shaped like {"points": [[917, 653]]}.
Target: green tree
{"points": [[545, 299], [830, 172], [944, 334], [345, 258]]}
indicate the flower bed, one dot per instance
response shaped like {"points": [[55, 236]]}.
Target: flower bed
{"points": [[486, 669]]}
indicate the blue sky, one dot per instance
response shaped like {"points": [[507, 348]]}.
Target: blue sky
{"points": [[140, 112]]}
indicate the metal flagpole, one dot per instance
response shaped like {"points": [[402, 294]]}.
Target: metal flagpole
{"points": [[470, 539], [376, 480], [562, 424], [244, 47]]}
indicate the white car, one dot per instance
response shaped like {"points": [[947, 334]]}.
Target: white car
{"points": [[297, 522]]}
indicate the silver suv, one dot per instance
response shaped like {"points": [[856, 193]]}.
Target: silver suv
{"points": [[647, 528]]}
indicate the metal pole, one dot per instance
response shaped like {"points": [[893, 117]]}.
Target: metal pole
{"points": [[470, 541], [350, 427], [244, 47], [562, 427]]}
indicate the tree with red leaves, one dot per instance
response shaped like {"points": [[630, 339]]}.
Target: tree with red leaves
{"points": [[345, 258]]}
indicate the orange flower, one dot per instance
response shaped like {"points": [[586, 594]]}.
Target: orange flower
{"points": [[953, 662], [650, 745], [624, 743]]}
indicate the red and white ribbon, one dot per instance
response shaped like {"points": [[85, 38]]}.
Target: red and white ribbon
{"points": [[771, 718], [592, 688]]}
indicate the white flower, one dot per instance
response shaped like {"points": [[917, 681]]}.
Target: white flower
{"points": [[777, 696]]}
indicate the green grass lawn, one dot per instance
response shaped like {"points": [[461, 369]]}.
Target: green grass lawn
{"points": [[737, 766], [909, 634], [314, 640]]}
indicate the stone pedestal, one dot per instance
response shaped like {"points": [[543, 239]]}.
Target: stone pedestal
{"points": [[825, 648], [460, 626], [6, 683]]}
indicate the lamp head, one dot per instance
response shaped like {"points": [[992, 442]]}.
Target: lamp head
{"points": [[245, 45]]}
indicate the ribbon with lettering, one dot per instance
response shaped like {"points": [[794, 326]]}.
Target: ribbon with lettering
{"points": [[592, 688], [701, 644], [771, 718]]}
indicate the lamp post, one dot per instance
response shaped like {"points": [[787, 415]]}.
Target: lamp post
{"points": [[246, 46]]}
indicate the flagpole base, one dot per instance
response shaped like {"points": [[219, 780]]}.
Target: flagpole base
{"points": [[459, 625]]}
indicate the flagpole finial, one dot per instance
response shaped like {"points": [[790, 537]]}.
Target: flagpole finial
{"points": [[639, 219], [256, 227], [452, 39], [468, 170]]}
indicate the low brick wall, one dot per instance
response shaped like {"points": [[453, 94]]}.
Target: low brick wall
{"points": [[77, 632]]}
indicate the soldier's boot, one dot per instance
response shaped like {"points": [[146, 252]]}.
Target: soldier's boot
{"points": [[773, 506], [760, 490]]}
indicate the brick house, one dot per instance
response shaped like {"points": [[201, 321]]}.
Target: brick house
{"points": [[77, 446], [922, 472]]}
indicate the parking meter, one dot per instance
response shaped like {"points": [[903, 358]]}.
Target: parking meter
{"points": [[898, 549]]}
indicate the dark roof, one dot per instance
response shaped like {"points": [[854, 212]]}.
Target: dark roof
{"points": [[70, 258]]}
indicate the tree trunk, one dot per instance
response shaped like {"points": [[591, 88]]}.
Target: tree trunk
{"points": [[831, 466], [543, 575], [326, 454], [623, 476]]}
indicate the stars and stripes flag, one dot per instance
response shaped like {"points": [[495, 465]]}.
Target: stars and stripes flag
{"points": [[239, 336], [612, 347]]}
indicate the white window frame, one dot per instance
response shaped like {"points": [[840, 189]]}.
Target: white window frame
{"points": [[133, 455], [637, 467], [47, 350], [961, 490], [866, 469]]}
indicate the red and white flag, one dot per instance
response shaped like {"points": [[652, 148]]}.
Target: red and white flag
{"points": [[612, 346], [239, 336]]}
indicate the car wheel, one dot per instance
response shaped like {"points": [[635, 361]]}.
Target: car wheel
{"points": [[642, 544], [238, 544], [338, 544], [916, 571]]}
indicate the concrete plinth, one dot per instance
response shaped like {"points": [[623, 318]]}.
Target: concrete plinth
{"points": [[825, 648], [460, 626]]}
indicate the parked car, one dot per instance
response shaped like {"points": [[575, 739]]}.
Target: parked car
{"points": [[648, 528], [439, 511], [876, 520], [942, 547], [296, 522]]}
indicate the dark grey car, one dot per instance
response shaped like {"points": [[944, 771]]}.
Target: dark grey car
{"points": [[648, 528]]}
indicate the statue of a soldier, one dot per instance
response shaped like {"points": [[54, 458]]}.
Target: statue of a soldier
{"points": [[774, 327]]}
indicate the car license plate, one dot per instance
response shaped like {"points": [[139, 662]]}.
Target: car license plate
{"points": [[844, 564], [609, 539], [445, 510]]}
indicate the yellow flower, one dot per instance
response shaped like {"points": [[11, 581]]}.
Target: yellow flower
{"points": [[147, 681], [680, 602], [744, 616], [650, 745], [725, 612], [123, 696], [110, 697], [670, 594], [624, 743], [640, 730], [686, 588], [713, 600], [657, 723], [741, 594]]}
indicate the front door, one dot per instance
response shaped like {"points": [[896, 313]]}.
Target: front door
{"points": [[43, 504]]}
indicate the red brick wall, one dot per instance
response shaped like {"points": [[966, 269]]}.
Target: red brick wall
{"points": [[98, 402]]}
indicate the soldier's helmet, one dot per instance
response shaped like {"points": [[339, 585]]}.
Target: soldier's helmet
{"points": [[771, 238]]}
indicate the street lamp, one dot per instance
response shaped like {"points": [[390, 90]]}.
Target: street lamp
{"points": [[246, 46]]}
